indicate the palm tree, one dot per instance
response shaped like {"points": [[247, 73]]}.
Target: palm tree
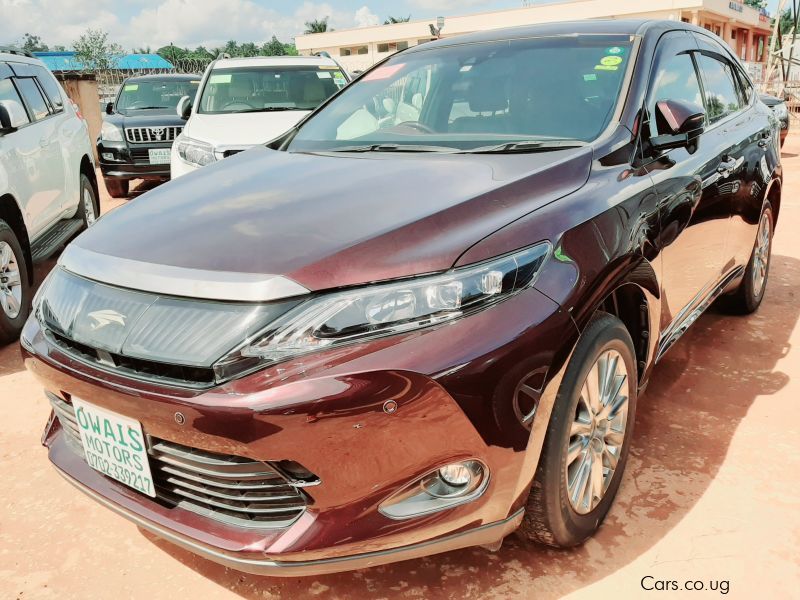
{"points": [[317, 26], [393, 20]]}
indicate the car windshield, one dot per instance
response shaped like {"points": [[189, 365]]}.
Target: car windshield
{"points": [[264, 89], [505, 96], [154, 94]]}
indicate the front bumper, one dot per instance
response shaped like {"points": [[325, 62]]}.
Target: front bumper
{"points": [[131, 161], [326, 412]]}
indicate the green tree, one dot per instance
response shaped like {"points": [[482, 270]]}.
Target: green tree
{"points": [[172, 53], [759, 4], [59, 48], [290, 50], [392, 20], [33, 43], [143, 50], [787, 22], [274, 48], [249, 49], [318, 26], [95, 51]]}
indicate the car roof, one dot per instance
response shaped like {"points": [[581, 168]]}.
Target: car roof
{"points": [[19, 56], [274, 61], [632, 27], [163, 76]]}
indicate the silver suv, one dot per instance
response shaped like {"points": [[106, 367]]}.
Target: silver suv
{"points": [[48, 188]]}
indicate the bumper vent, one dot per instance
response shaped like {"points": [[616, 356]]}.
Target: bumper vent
{"points": [[145, 135], [232, 489]]}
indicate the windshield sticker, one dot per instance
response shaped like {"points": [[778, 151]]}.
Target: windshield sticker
{"points": [[610, 61], [324, 74], [338, 79], [131, 87], [606, 67], [615, 50], [193, 82], [220, 78], [590, 77], [383, 72], [329, 67]]}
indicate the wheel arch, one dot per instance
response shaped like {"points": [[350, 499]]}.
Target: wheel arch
{"points": [[12, 215], [774, 196]]}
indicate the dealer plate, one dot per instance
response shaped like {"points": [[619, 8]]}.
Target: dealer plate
{"points": [[159, 156], [114, 445]]}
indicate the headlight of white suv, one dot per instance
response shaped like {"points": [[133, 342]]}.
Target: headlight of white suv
{"points": [[194, 152], [349, 316], [110, 132]]}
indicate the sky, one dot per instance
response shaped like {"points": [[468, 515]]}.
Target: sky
{"points": [[155, 23]]}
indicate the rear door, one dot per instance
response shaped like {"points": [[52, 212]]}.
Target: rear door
{"points": [[694, 216], [49, 174]]}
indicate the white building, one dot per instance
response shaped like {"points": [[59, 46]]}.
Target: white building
{"points": [[744, 28]]}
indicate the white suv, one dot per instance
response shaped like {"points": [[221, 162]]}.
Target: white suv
{"points": [[242, 102], [48, 188]]}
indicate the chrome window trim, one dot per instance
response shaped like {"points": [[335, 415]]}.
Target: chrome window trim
{"points": [[178, 281]]}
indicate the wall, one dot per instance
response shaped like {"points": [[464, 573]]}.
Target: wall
{"points": [[82, 90]]}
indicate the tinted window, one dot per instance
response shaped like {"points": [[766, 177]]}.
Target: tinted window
{"points": [[51, 87], [722, 96], [13, 103], [676, 79], [33, 97], [473, 95], [152, 95]]}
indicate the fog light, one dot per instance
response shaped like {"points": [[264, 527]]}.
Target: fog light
{"points": [[456, 474], [107, 156]]}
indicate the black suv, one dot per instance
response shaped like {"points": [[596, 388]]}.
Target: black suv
{"points": [[139, 129]]}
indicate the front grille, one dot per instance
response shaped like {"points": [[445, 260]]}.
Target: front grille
{"points": [[140, 155], [147, 370], [144, 135], [232, 489]]}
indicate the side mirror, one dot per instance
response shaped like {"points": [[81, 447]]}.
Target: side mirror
{"points": [[110, 108], [184, 108], [6, 124], [685, 122]]}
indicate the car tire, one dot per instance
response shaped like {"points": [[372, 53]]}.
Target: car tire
{"points": [[89, 206], [584, 454], [748, 296], [14, 285], [117, 188]]}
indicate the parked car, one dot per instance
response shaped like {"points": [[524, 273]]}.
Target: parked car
{"points": [[249, 101], [140, 128], [48, 188], [390, 335], [781, 110]]}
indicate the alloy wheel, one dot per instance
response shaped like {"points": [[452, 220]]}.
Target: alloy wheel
{"points": [[10, 282], [88, 207], [526, 399], [597, 432], [761, 254]]}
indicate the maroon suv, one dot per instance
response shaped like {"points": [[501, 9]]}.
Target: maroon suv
{"points": [[420, 319]]}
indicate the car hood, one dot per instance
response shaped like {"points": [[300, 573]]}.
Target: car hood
{"points": [[241, 129], [333, 220], [146, 118]]}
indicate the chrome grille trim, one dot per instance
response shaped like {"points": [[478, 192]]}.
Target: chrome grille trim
{"points": [[146, 135], [233, 489]]}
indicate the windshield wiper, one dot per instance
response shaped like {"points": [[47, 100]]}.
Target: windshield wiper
{"points": [[267, 109], [527, 146], [395, 148], [148, 107]]}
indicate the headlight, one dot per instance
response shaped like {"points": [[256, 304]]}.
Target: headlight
{"points": [[110, 132], [350, 316], [194, 152], [781, 110]]}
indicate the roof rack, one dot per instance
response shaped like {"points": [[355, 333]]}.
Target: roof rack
{"points": [[18, 51]]}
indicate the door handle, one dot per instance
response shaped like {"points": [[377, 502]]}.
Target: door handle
{"points": [[44, 142]]}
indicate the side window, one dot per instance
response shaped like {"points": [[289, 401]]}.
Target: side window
{"points": [[33, 97], [719, 81], [676, 79], [11, 100], [50, 87]]}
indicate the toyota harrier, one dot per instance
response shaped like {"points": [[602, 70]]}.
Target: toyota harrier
{"points": [[423, 317]]}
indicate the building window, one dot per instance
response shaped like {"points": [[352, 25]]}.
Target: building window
{"points": [[425, 41], [392, 46], [345, 52], [685, 20], [353, 50], [362, 50]]}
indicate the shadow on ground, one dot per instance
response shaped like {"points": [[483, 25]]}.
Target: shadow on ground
{"points": [[696, 399]]}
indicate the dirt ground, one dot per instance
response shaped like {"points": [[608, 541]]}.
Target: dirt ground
{"points": [[711, 495]]}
